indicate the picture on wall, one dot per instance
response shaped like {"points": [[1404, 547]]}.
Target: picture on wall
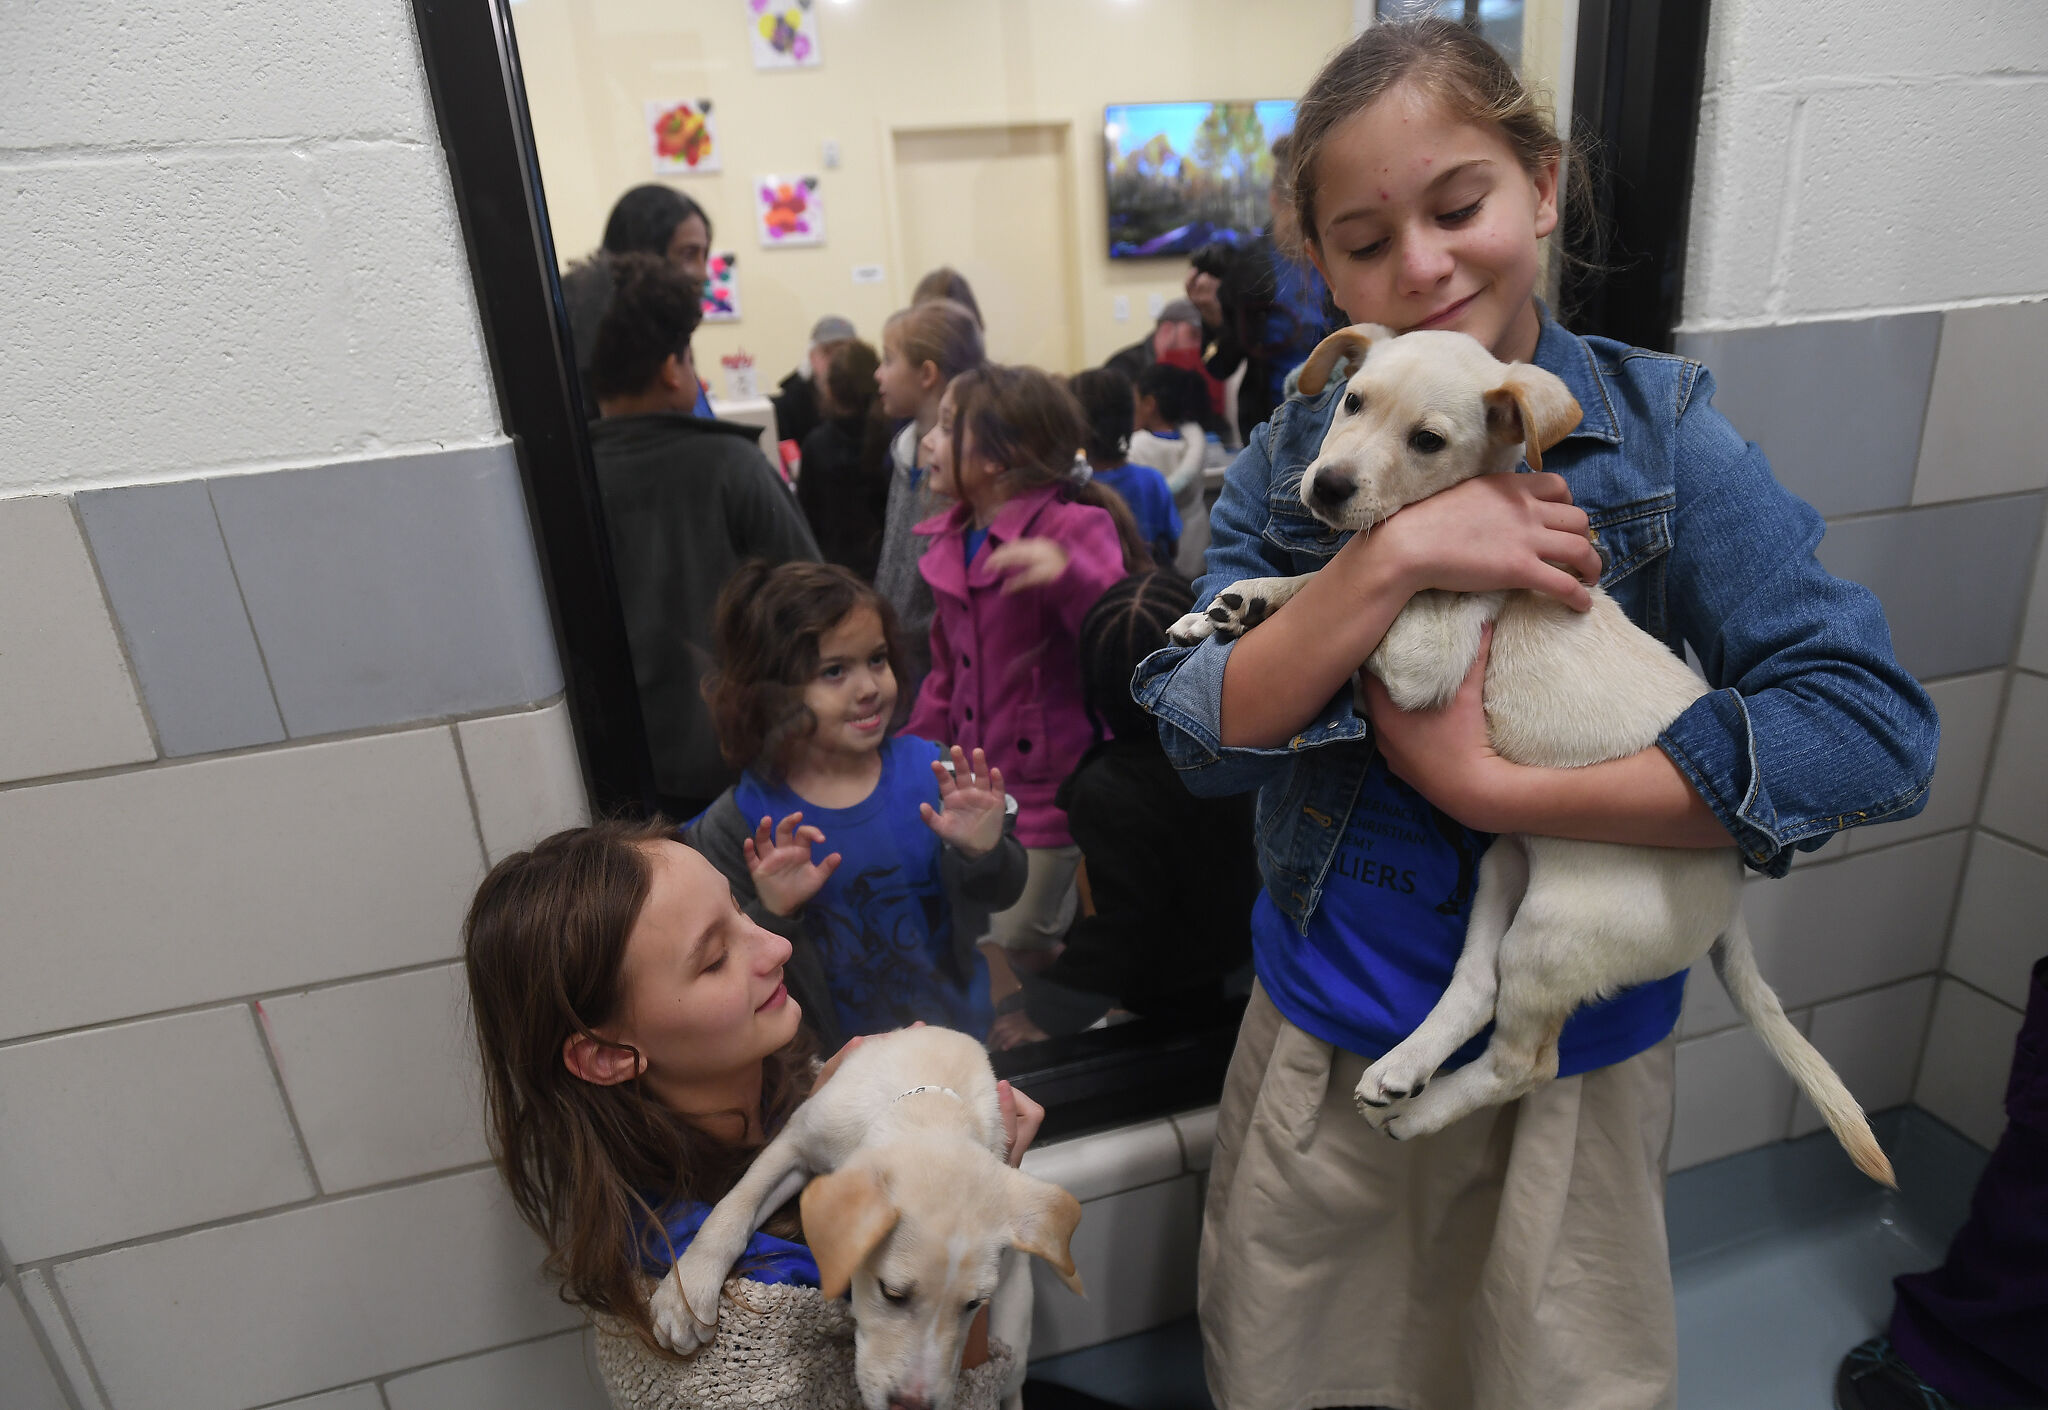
{"points": [[784, 33], [683, 135], [787, 211], [1183, 174], [722, 288]]}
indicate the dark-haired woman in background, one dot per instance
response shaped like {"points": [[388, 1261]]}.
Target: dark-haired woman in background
{"points": [[844, 487], [647, 220], [1172, 876]]}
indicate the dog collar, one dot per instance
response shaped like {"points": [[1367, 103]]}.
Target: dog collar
{"points": [[930, 1088]]}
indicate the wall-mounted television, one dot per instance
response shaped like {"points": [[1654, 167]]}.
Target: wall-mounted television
{"points": [[1183, 174]]}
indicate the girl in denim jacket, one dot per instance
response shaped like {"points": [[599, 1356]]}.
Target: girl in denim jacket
{"points": [[1013, 567], [1517, 1258]]}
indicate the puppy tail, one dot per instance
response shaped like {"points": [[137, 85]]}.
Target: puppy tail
{"points": [[1735, 962]]}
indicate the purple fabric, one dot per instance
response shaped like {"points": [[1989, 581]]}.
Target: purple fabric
{"points": [[1976, 1328]]}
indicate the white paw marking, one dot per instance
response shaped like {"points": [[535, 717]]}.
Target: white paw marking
{"points": [[685, 1307]]}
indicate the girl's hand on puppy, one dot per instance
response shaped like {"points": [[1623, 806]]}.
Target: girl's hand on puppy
{"points": [[971, 804], [779, 861], [1445, 755], [1021, 1119], [1491, 533], [1028, 563]]}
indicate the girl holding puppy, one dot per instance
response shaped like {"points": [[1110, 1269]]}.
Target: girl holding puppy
{"points": [[1013, 566], [884, 923], [1521, 1251], [639, 1046]]}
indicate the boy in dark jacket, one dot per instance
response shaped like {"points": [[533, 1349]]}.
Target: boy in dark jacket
{"points": [[1172, 876], [686, 500]]}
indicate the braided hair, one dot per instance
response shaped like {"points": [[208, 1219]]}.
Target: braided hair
{"points": [[1127, 624]]}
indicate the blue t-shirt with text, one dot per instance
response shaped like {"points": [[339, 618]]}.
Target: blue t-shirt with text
{"points": [[881, 923], [1381, 946]]}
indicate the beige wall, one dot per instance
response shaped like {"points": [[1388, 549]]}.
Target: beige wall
{"points": [[888, 64]]}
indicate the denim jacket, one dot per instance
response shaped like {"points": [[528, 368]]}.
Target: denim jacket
{"points": [[1811, 727]]}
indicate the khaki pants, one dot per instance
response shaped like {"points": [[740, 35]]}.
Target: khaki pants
{"points": [[1515, 1261]]}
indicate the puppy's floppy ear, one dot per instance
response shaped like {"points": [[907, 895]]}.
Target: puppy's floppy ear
{"points": [[1348, 343], [845, 1214], [1531, 406], [1043, 1218]]}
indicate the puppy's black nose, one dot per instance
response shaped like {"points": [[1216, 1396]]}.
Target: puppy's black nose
{"points": [[1332, 487]]}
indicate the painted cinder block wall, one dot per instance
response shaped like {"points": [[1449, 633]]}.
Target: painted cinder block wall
{"points": [[276, 683], [1864, 281]]}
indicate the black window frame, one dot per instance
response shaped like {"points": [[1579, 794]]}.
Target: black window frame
{"points": [[1637, 82]]}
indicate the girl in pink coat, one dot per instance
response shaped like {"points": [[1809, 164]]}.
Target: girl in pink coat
{"points": [[1013, 566]]}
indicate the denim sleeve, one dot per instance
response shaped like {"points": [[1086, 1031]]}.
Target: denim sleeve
{"points": [[1183, 686], [1813, 726]]}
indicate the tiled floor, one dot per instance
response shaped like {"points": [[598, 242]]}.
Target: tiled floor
{"points": [[1782, 1258]]}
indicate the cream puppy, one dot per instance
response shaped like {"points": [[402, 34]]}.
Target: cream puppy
{"points": [[914, 1207], [1555, 923]]}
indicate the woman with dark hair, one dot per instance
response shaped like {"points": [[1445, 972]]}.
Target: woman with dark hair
{"points": [[647, 220], [844, 487]]}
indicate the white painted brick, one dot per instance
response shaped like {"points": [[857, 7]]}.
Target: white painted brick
{"points": [[1135, 1253], [1873, 1042], [1732, 1096], [1969, 1057], [172, 886], [2002, 920], [524, 775], [383, 1076], [1968, 706], [559, 1373], [1919, 194], [27, 1378], [1108, 1162], [1739, 189], [1832, 39], [309, 1299], [158, 72], [289, 306], [43, 1305], [65, 694], [2016, 798], [119, 1132], [1828, 930]]}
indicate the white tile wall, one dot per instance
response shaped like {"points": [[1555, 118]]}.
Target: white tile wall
{"points": [[309, 1299], [1987, 422], [559, 1373], [42, 1304], [64, 690], [144, 891], [2002, 920], [1135, 1253], [1969, 1054], [1839, 927], [524, 774], [1732, 1096], [2033, 653], [25, 1377], [1968, 706], [2016, 798], [1090, 1167], [119, 1132], [1873, 1042], [383, 1076]]}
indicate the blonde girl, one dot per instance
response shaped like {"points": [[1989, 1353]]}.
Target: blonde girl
{"points": [[1517, 1258]]}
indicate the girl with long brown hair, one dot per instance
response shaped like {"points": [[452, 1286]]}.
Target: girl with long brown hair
{"points": [[639, 1046], [1013, 567]]}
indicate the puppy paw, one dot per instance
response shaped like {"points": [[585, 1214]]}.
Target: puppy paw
{"points": [[1391, 1080], [685, 1307], [1239, 608], [1190, 630]]}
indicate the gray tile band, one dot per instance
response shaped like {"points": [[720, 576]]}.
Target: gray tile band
{"points": [[174, 597], [1836, 406], [390, 590], [1952, 577]]}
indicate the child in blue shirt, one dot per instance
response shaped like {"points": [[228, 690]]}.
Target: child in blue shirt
{"points": [[883, 927], [1108, 401]]}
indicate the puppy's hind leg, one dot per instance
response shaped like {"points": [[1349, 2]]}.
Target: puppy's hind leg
{"points": [[1468, 1003], [1009, 1321]]}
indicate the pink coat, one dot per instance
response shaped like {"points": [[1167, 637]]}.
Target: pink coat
{"points": [[1004, 677]]}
